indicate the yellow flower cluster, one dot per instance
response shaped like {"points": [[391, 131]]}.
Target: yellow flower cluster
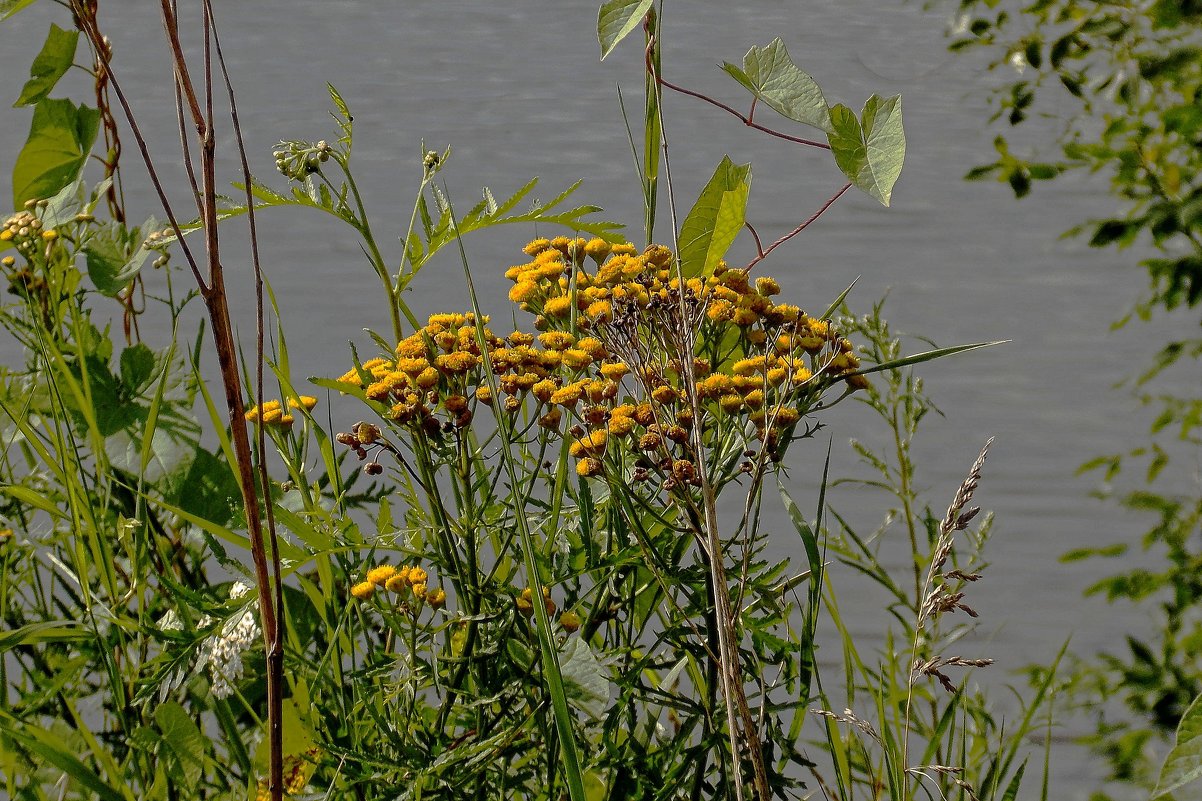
{"points": [[608, 354], [753, 357], [272, 413], [406, 581], [439, 370]]}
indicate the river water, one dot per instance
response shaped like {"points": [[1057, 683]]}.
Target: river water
{"points": [[516, 89]]}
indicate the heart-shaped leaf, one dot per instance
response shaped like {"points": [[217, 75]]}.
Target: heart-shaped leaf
{"points": [[49, 65], [715, 219], [616, 19], [870, 150], [770, 74]]}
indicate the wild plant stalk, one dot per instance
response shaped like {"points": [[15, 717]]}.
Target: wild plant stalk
{"points": [[741, 726], [546, 638], [935, 599], [743, 730], [264, 552]]}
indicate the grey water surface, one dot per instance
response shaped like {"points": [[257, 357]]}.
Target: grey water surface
{"points": [[515, 87]]}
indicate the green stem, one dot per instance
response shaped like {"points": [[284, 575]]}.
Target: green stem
{"points": [[905, 493], [361, 224], [546, 637]]}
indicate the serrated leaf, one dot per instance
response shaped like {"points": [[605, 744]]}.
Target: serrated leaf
{"points": [[870, 150], [616, 19], [50, 64], [346, 122], [1183, 765], [715, 219], [771, 75], [60, 139]]}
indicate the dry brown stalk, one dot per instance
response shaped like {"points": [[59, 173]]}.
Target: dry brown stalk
{"points": [[264, 551], [936, 598]]}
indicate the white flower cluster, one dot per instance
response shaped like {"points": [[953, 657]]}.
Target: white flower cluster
{"points": [[222, 651]]}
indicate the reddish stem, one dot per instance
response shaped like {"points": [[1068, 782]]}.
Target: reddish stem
{"points": [[763, 254], [746, 120]]}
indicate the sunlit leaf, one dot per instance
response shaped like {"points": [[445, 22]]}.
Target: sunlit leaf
{"points": [[584, 678], [926, 356], [715, 219], [60, 139], [57, 753], [42, 632], [616, 19], [770, 74], [49, 65], [870, 150], [10, 7]]}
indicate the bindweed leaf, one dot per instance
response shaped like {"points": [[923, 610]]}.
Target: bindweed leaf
{"points": [[715, 219], [49, 65], [137, 367], [60, 139], [870, 150], [770, 74], [185, 744], [616, 19], [584, 678]]}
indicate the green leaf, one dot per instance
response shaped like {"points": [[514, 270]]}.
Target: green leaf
{"points": [[346, 122], [770, 74], [926, 356], [60, 139], [185, 743], [1017, 780], [208, 489], [870, 150], [34, 499], [55, 752], [113, 261], [137, 366], [584, 679], [1183, 765], [49, 65], [715, 219], [297, 738], [616, 19], [1077, 554], [43, 631], [70, 201], [9, 8]]}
